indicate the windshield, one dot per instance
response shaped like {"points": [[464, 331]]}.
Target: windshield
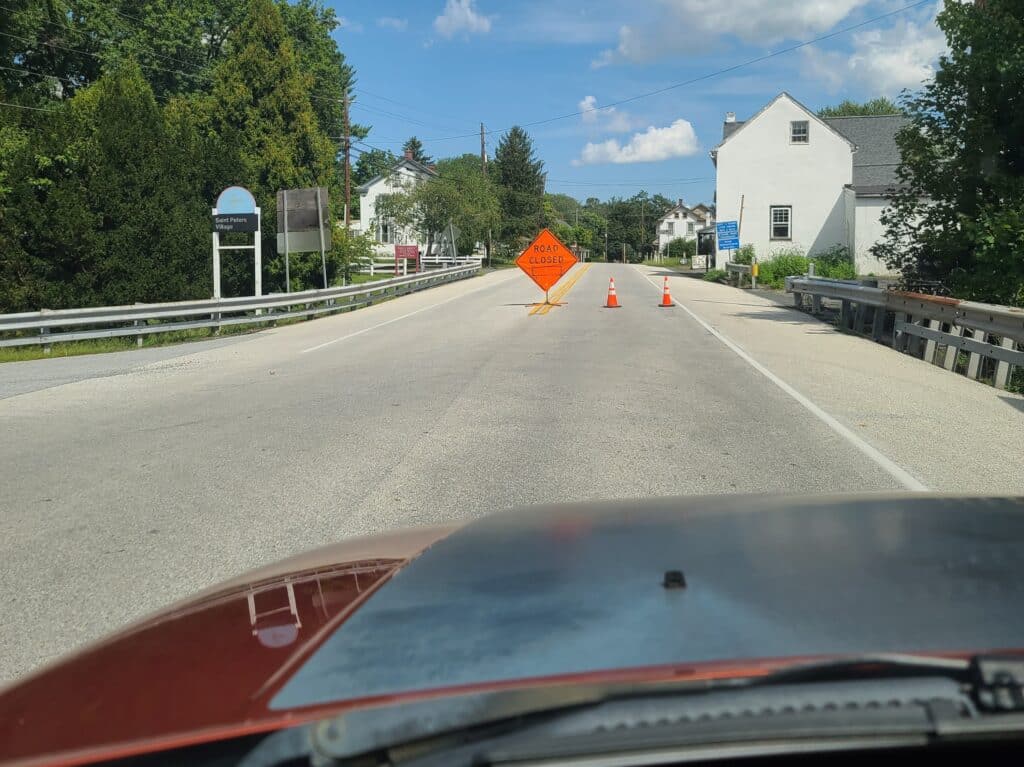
{"points": [[282, 274]]}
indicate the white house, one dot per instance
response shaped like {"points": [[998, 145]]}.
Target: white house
{"points": [[405, 174], [797, 181], [681, 221]]}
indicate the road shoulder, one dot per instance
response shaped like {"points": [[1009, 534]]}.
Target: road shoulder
{"points": [[954, 434]]}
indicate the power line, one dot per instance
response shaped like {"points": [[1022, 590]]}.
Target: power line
{"points": [[707, 76], [85, 35], [100, 58], [22, 106]]}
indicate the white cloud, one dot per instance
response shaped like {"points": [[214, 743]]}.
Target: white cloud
{"points": [[351, 26], [461, 16], [883, 61], [391, 22], [684, 27], [653, 145], [607, 118]]}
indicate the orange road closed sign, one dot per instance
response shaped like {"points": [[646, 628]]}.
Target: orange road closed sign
{"points": [[545, 260]]}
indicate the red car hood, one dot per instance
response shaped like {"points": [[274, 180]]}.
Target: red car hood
{"points": [[557, 593], [200, 670]]}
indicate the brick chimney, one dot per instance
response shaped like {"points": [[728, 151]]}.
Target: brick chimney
{"points": [[408, 154]]}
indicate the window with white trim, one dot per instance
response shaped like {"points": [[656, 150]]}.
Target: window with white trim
{"points": [[781, 217], [689, 227], [799, 132], [670, 228]]}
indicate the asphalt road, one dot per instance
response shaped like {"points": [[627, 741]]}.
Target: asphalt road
{"points": [[130, 485]]}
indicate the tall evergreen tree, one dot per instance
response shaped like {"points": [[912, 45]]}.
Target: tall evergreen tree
{"points": [[520, 176], [415, 146], [263, 106], [960, 216]]}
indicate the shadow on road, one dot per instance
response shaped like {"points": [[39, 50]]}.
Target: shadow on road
{"points": [[1017, 402], [790, 318]]}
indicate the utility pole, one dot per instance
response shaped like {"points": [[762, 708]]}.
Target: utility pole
{"points": [[643, 229], [483, 150], [483, 167], [348, 170]]}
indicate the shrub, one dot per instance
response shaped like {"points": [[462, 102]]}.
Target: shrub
{"points": [[744, 255], [716, 275], [681, 248], [835, 262], [784, 263]]}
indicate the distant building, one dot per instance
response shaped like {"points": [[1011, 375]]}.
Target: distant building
{"points": [[681, 221], [806, 182], [405, 174]]}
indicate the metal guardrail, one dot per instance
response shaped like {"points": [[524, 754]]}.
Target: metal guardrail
{"points": [[935, 328], [34, 328], [737, 268]]}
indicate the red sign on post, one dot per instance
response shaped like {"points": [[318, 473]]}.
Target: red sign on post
{"points": [[546, 260], [407, 253]]}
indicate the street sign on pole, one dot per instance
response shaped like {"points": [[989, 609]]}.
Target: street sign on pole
{"points": [[545, 260], [407, 253], [728, 235], [236, 211], [308, 217]]}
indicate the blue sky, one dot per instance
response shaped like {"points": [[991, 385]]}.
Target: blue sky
{"points": [[438, 68]]}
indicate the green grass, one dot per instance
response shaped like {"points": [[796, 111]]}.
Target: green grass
{"points": [[716, 275], [125, 344], [359, 279]]}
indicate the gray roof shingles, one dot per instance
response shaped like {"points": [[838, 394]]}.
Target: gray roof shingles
{"points": [[877, 156]]}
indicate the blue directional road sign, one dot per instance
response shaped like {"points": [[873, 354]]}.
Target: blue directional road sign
{"points": [[728, 235]]}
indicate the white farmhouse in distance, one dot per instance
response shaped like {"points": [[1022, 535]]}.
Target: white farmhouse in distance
{"points": [[681, 221], [805, 182], [402, 176]]}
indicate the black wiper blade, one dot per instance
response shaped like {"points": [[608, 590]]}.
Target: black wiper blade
{"points": [[873, 666], [991, 683]]}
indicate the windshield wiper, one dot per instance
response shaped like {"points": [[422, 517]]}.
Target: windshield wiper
{"points": [[864, 701]]}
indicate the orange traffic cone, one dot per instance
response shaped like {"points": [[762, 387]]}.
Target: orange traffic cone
{"points": [[613, 299], [666, 298]]}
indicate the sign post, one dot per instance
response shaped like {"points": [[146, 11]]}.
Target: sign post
{"points": [[545, 261], [304, 224], [287, 272], [405, 254], [728, 234], [236, 211]]}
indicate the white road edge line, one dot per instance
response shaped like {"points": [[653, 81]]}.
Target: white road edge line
{"points": [[897, 472], [393, 319]]}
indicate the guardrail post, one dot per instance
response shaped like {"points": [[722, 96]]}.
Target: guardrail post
{"points": [[815, 304], [878, 323], [859, 318], [844, 315], [952, 351], [1003, 368], [810, 269], [798, 300], [138, 338], [930, 347], [44, 332], [897, 334], [974, 362]]}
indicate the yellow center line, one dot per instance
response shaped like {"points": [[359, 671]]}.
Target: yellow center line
{"points": [[561, 292]]}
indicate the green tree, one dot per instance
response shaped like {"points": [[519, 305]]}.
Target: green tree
{"points": [[415, 147], [477, 210], [520, 176], [264, 108], [847, 108], [959, 216], [372, 163]]}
